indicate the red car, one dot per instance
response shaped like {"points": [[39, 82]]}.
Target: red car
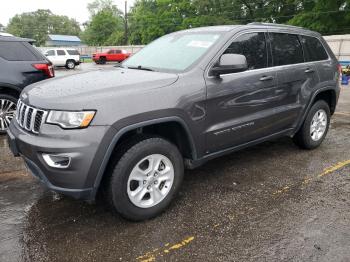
{"points": [[113, 55]]}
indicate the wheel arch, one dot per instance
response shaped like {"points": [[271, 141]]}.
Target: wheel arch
{"points": [[10, 90], [329, 94], [148, 128]]}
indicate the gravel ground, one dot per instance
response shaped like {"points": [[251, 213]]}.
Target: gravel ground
{"points": [[271, 202]]}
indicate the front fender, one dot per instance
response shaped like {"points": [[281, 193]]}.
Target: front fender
{"points": [[120, 132]]}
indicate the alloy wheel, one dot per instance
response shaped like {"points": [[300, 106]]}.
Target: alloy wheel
{"points": [[318, 125], [70, 65], [7, 113], [150, 181]]}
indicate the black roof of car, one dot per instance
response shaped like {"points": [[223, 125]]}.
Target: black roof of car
{"points": [[15, 39]]}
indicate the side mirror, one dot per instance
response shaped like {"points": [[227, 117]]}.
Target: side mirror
{"points": [[230, 63]]}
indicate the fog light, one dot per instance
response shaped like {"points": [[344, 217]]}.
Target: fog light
{"points": [[57, 161]]}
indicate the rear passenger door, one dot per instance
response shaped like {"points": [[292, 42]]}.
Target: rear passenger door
{"points": [[295, 77], [61, 57], [316, 54]]}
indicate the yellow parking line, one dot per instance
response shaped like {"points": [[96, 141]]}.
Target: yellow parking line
{"points": [[334, 168], [282, 190], [152, 255], [166, 249], [307, 180]]}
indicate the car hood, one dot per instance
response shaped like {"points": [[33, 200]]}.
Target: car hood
{"points": [[91, 90]]}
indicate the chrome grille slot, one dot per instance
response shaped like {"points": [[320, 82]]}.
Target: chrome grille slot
{"points": [[30, 118]]}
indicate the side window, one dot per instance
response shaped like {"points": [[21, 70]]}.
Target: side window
{"points": [[118, 51], [286, 49], [314, 50], [253, 47], [50, 53], [110, 52], [16, 51], [61, 52], [73, 52]]}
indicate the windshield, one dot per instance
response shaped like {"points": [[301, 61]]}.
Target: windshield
{"points": [[173, 52]]}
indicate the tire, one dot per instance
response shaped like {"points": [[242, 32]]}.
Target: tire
{"points": [[307, 139], [6, 115], [121, 185], [70, 64], [102, 60]]}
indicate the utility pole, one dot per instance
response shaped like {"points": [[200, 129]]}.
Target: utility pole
{"points": [[126, 22]]}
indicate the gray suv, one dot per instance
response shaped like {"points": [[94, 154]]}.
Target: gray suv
{"points": [[128, 132]]}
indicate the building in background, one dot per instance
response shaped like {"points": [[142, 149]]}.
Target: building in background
{"points": [[63, 40], [340, 45]]}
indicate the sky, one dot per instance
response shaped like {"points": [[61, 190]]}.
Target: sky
{"points": [[71, 8]]}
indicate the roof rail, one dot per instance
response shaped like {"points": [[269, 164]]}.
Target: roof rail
{"points": [[277, 25]]}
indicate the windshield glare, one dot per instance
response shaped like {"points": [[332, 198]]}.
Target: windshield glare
{"points": [[173, 52]]}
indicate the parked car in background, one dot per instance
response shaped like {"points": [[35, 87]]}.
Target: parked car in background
{"points": [[113, 55], [20, 65], [184, 99], [68, 58]]}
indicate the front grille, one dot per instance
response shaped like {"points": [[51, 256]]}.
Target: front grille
{"points": [[30, 118]]}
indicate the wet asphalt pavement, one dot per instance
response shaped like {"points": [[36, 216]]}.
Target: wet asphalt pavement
{"points": [[271, 202]]}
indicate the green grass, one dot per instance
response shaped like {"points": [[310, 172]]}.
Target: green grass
{"points": [[86, 60]]}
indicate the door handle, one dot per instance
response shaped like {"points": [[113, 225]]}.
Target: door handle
{"points": [[266, 78], [309, 70]]}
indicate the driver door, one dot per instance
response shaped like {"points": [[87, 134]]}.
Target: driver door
{"points": [[244, 106]]}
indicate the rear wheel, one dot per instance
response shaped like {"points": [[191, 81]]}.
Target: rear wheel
{"points": [[8, 106], [145, 179], [70, 64], [315, 127]]}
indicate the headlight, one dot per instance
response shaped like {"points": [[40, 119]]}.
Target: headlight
{"points": [[70, 119]]}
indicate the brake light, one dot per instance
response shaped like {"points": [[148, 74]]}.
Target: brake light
{"points": [[47, 69]]}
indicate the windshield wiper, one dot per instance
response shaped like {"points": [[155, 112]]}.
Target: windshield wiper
{"points": [[140, 68]]}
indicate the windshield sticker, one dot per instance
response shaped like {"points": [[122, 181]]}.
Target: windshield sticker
{"points": [[200, 44]]}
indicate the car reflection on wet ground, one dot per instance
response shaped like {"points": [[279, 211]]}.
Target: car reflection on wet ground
{"points": [[271, 202]]}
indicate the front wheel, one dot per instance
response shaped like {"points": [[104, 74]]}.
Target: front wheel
{"points": [[315, 127], [146, 179]]}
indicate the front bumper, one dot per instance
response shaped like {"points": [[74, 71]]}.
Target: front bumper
{"points": [[82, 145]]}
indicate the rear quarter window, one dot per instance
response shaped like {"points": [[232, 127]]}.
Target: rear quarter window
{"points": [[286, 49], [73, 52], [314, 50], [18, 51], [61, 52]]}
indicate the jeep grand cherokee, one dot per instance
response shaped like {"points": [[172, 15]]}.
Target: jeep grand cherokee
{"points": [[188, 97]]}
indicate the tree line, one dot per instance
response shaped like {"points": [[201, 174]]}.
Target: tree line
{"points": [[150, 19]]}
